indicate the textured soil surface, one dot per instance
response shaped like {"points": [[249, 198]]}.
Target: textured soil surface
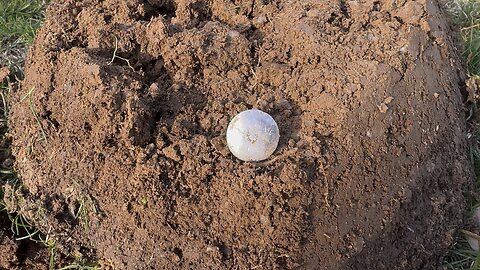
{"points": [[126, 160]]}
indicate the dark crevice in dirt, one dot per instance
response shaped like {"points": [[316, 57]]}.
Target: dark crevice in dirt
{"points": [[465, 94], [252, 9], [107, 18], [225, 251], [155, 8], [344, 9], [102, 54], [377, 6], [67, 216], [78, 42], [398, 19], [282, 262], [178, 252], [203, 12], [332, 18], [24, 247], [48, 116], [110, 142], [87, 127]]}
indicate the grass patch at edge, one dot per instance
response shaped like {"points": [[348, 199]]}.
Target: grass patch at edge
{"points": [[466, 17], [19, 20]]}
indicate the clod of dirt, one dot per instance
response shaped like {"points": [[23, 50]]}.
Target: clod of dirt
{"points": [[472, 238], [4, 72], [473, 88], [371, 165]]}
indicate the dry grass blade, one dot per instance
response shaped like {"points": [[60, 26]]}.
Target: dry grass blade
{"points": [[35, 115]]}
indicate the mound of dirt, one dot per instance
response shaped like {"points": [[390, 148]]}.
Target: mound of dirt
{"points": [[119, 133]]}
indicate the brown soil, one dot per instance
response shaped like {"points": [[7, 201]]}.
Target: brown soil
{"points": [[4, 72], [133, 169]]}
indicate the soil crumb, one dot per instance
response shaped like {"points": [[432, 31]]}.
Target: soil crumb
{"points": [[119, 133], [4, 72]]}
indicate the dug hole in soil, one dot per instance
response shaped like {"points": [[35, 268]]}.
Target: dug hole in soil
{"points": [[119, 134]]}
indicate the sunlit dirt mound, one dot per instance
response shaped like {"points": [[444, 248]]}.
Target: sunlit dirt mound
{"points": [[119, 134]]}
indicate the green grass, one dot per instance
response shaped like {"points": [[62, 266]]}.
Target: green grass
{"points": [[466, 16], [85, 266], [35, 115], [19, 19], [463, 257]]}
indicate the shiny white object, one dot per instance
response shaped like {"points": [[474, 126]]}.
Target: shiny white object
{"points": [[252, 135]]}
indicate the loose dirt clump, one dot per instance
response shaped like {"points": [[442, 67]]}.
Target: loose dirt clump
{"points": [[119, 133], [4, 72]]}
